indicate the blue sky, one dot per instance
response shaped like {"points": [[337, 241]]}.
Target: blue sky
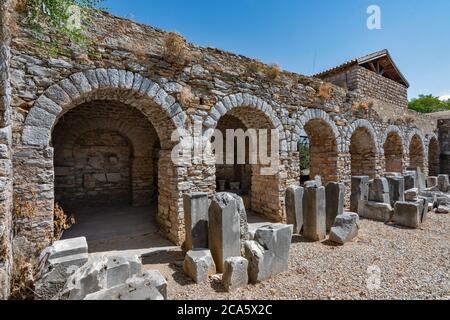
{"points": [[308, 36]]}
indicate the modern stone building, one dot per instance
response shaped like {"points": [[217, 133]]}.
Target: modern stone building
{"points": [[94, 128]]}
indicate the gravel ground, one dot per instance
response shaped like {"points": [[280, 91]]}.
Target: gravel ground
{"points": [[413, 264]]}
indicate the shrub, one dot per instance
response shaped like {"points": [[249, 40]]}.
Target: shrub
{"points": [[61, 222], [175, 48], [273, 71], [324, 91]]}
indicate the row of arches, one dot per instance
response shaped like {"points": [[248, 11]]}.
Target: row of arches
{"points": [[112, 135]]}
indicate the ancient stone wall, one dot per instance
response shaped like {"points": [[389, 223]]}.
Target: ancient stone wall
{"points": [[444, 138], [127, 66], [6, 189]]}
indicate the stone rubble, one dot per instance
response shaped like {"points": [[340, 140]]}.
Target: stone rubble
{"points": [[236, 273], [345, 228], [199, 265]]}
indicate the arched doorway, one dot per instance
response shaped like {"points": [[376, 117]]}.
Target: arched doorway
{"points": [[363, 153], [260, 191], [323, 153], [119, 126], [416, 153], [433, 158], [393, 153]]}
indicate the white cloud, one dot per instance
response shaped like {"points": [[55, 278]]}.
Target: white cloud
{"points": [[445, 97]]}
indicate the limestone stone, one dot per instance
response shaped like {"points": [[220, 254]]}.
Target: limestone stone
{"points": [[294, 207], [276, 239], [242, 216], [442, 209], [377, 211], [100, 273], [359, 191], [196, 220], [411, 194], [314, 214], [56, 264], [199, 265], [443, 183], [135, 288], [224, 229], [396, 189], [345, 228], [408, 214], [259, 261], [157, 280], [379, 190], [432, 182], [410, 180], [335, 193], [235, 274]]}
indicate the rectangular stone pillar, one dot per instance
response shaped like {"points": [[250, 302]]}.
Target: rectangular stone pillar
{"points": [[443, 182], [224, 229], [335, 193], [410, 180], [360, 191], [314, 214], [408, 214], [379, 190], [196, 220], [294, 207], [396, 189]]}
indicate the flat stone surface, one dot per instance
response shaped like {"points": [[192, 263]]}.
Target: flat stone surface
{"points": [[408, 214], [379, 190], [196, 220], [377, 211], [335, 194], [314, 214], [359, 191]]}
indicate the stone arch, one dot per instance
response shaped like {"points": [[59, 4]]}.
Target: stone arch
{"points": [[363, 148], [357, 124], [433, 147], [324, 143], [102, 84], [130, 90], [261, 193], [393, 149], [241, 100], [416, 149]]}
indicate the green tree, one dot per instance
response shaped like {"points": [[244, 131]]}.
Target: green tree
{"points": [[304, 156], [428, 104]]}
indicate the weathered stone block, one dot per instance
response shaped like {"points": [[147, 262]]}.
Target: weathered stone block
{"points": [[360, 191], [235, 274], [259, 261], [408, 214], [314, 214], [135, 288], [224, 229], [411, 194], [157, 280], [277, 239], [432, 182], [294, 207], [443, 182], [196, 220], [199, 265], [379, 190], [410, 180], [345, 228], [335, 193], [396, 189], [377, 211]]}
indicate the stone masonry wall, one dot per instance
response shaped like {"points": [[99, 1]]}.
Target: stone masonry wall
{"points": [[444, 138], [127, 65], [6, 188]]}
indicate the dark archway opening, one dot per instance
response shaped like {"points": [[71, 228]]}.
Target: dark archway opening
{"points": [[363, 153], [433, 158], [393, 153]]}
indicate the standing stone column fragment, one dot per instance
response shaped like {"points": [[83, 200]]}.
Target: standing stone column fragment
{"points": [[294, 207], [335, 193], [314, 214], [396, 189], [224, 229], [196, 220], [360, 191]]}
